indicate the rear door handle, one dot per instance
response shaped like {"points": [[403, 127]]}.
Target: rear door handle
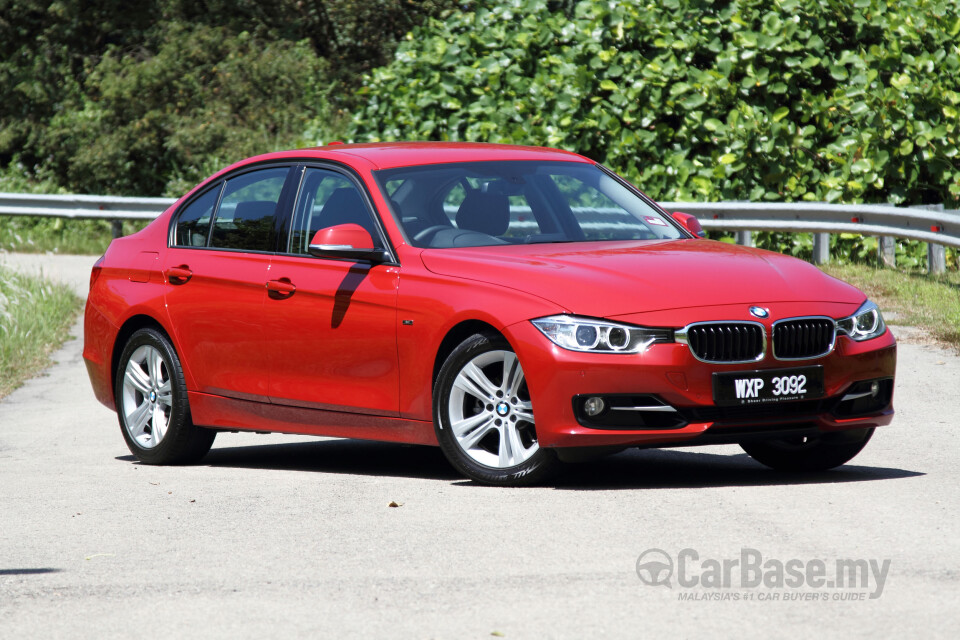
{"points": [[281, 288], [178, 275]]}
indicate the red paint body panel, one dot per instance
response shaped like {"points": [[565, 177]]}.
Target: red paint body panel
{"points": [[120, 293], [435, 305], [333, 343], [340, 348], [217, 320], [605, 279]]}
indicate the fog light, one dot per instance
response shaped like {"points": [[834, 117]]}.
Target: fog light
{"points": [[594, 406], [874, 389]]}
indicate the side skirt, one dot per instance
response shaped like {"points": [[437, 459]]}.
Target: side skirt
{"points": [[217, 412]]}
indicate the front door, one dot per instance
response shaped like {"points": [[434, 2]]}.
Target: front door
{"points": [[331, 324]]}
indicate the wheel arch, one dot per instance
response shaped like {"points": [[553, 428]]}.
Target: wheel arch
{"points": [[127, 329], [457, 334]]}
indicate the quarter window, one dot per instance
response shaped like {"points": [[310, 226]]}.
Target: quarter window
{"points": [[193, 225]]}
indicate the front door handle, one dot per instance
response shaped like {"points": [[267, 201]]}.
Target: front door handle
{"points": [[281, 288], [178, 275]]}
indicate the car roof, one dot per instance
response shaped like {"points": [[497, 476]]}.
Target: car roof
{"points": [[387, 155]]}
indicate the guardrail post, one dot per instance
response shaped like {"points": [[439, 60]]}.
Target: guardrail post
{"points": [[936, 258], [821, 248], [887, 251], [116, 226], [745, 238], [936, 254]]}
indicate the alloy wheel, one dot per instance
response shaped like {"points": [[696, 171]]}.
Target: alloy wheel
{"points": [[490, 413], [147, 399]]}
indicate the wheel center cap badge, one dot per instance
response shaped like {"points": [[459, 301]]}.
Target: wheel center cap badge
{"points": [[503, 408], [153, 396], [759, 312]]}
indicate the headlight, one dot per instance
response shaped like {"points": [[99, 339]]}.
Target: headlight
{"points": [[866, 323], [597, 336]]}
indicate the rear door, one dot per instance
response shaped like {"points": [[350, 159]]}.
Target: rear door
{"points": [[217, 268], [330, 325]]}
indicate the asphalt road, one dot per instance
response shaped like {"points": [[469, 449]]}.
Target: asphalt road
{"points": [[277, 536]]}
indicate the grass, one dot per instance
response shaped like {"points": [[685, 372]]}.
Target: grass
{"points": [[27, 234], [915, 298], [35, 319]]}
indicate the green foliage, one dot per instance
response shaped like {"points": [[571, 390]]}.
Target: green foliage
{"points": [[45, 51], [15, 179], [35, 317], [147, 98], [160, 123], [694, 100], [28, 234]]}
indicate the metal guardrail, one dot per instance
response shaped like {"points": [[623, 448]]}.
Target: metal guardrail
{"points": [[925, 225], [83, 207], [932, 225]]}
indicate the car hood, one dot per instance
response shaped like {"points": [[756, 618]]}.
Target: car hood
{"points": [[603, 279]]}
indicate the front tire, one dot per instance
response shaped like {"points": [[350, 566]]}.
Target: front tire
{"points": [[483, 416], [818, 453], [152, 406]]}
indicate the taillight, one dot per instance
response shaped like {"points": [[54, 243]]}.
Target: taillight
{"points": [[95, 272]]}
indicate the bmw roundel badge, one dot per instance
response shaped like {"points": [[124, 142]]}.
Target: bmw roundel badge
{"points": [[759, 312]]}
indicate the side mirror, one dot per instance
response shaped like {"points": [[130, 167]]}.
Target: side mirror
{"points": [[344, 241], [690, 223]]}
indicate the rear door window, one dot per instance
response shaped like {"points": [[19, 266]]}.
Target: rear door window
{"points": [[247, 212]]}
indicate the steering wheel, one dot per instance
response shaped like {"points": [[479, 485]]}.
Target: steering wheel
{"points": [[429, 232]]}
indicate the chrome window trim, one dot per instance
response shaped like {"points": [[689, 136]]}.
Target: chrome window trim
{"points": [[773, 342], [680, 336], [221, 178]]}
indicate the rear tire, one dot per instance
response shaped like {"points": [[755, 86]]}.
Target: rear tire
{"points": [[809, 454], [152, 405], [483, 416]]}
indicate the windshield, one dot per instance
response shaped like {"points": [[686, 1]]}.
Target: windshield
{"points": [[474, 204]]}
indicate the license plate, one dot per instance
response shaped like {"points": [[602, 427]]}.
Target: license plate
{"points": [[768, 386]]}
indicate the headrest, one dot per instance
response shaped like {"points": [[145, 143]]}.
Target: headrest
{"points": [[487, 213], [344, 206]]}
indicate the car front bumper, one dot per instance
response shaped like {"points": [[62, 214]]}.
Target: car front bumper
{"points": [[669, 374]]}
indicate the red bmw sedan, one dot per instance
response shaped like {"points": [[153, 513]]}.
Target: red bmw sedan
{"points": [[520, 307]]}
